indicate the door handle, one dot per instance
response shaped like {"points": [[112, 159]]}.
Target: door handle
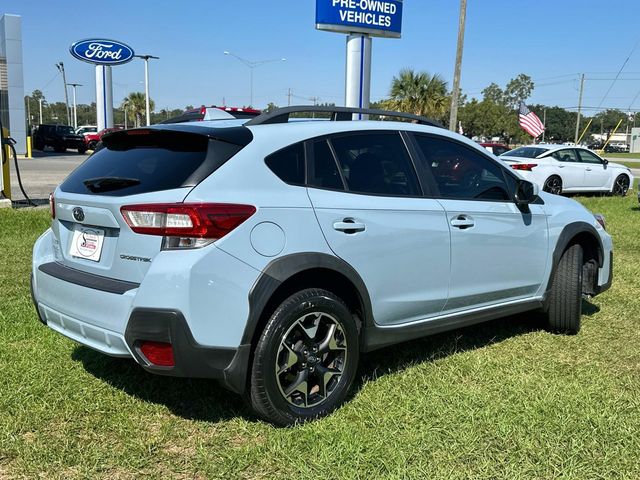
{"points": [[462, 222], [349, 226], [588, 169], [561, 166]]}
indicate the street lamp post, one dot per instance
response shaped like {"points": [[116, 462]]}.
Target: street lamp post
{"points": [[252, 65], [146, 83], [75, 107]]}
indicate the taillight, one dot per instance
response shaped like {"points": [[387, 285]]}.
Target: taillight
{"points": [[158, 353], [524, 166], [186, 225], [52, 206]]}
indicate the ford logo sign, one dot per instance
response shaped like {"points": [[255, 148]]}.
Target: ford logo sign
{"points": [[102, 51]]}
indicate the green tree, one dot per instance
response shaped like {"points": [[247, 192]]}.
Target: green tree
{"points": [[270, 107], [517, 90], [136, 107], [419, 93]]}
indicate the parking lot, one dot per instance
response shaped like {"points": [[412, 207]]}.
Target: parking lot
{"points": [[41, 174]]}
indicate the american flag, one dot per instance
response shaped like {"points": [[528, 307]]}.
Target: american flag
{"points": [[530, 122]]}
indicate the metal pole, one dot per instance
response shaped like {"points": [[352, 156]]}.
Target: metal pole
{"points": [[289, 98], [579, 108], [544, 122], [66, 94], [146, 90], [252, 65], [126, 112], [358, 72], [455, 94], [75, 107], [147, 99], [251, 82], [40, 102]]}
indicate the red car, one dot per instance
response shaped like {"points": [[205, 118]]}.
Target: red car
{"points": [[92, 139], [204, 113], [496, 148]]}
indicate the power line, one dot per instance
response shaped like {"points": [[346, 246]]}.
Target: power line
{"points": [[619, 72]]}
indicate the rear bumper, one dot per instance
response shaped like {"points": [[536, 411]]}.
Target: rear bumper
{"points": [[228, 365]]}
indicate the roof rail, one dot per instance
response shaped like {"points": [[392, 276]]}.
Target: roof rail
{"points": [[281, 115]]}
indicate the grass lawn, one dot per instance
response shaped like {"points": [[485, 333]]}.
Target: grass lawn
{"points": [[499, 400], [621, 155]]}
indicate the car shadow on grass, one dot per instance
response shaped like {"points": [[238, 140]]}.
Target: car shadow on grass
{"points": [[206, 400], [189, 398]]}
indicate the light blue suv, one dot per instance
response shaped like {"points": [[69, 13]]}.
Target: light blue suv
{"points": [[269, 254]]}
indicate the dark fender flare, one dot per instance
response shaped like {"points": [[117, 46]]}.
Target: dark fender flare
{"points": [[283, 268], [568, 233]]}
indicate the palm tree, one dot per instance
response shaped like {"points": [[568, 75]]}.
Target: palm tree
{"points": [[419, 93], [136, 107]]}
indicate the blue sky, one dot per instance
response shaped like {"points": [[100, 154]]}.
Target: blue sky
{"points": [[552, 41]]}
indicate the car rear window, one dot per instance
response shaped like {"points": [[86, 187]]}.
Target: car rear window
{"points": [[148, 161], [526, 152]]}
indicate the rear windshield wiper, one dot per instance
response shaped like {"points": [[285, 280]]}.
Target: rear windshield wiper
{"points": [[108, 184]]}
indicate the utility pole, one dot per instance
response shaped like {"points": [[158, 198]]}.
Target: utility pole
{"points": [[455, 94], [544, 122], [579, 108], [75, 107], [40, 102], [289, 98], [66, 94], [146, 83]]}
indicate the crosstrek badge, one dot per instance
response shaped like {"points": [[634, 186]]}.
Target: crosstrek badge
{"points": [[87, 243]]}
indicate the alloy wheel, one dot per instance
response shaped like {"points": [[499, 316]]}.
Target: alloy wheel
{"points": [[553, 185], [621, 187], [311, 359]]}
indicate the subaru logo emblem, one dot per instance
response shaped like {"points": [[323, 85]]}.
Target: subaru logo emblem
{"points": [[78, 214]]}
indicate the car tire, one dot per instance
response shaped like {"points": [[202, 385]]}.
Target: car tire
{"points": [[565, 296], [92, 145], [305, 360], [553, 185], [621, 186], [38, 145], [82, 150]]}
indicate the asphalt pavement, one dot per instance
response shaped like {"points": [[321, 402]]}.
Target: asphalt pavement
{"points": [[43, 173]]}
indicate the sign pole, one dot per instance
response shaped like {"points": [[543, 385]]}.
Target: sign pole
{"points": [[358, 72], [104, 97]]}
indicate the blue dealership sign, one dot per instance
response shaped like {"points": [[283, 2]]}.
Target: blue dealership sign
{"points": [[380, 18], [102, 51]]}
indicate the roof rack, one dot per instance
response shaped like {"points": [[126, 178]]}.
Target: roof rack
{"points": [[281, 115]]}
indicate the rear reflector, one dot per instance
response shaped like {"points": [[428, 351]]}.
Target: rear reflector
{"points": [[523, 166], [158, 353], [186, 220]]}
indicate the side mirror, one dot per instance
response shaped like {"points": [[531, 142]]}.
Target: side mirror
{"points": [[526, 192], [605, 161]]}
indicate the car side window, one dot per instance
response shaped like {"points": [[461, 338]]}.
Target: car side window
{"points": [[288, 164], [566, 155], [460, 172], [588, 157], [376, 163], [323, 171]]}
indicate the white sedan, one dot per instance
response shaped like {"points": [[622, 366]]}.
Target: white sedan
{"points": [[561, 168]]}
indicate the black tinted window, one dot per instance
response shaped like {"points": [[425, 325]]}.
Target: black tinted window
{"points": [[567, 155], [288, 164], [376, 163], [133, 164], [460, 172], [324, 171]]}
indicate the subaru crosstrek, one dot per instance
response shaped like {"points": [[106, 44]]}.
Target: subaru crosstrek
{"points": [[269, 254]]}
